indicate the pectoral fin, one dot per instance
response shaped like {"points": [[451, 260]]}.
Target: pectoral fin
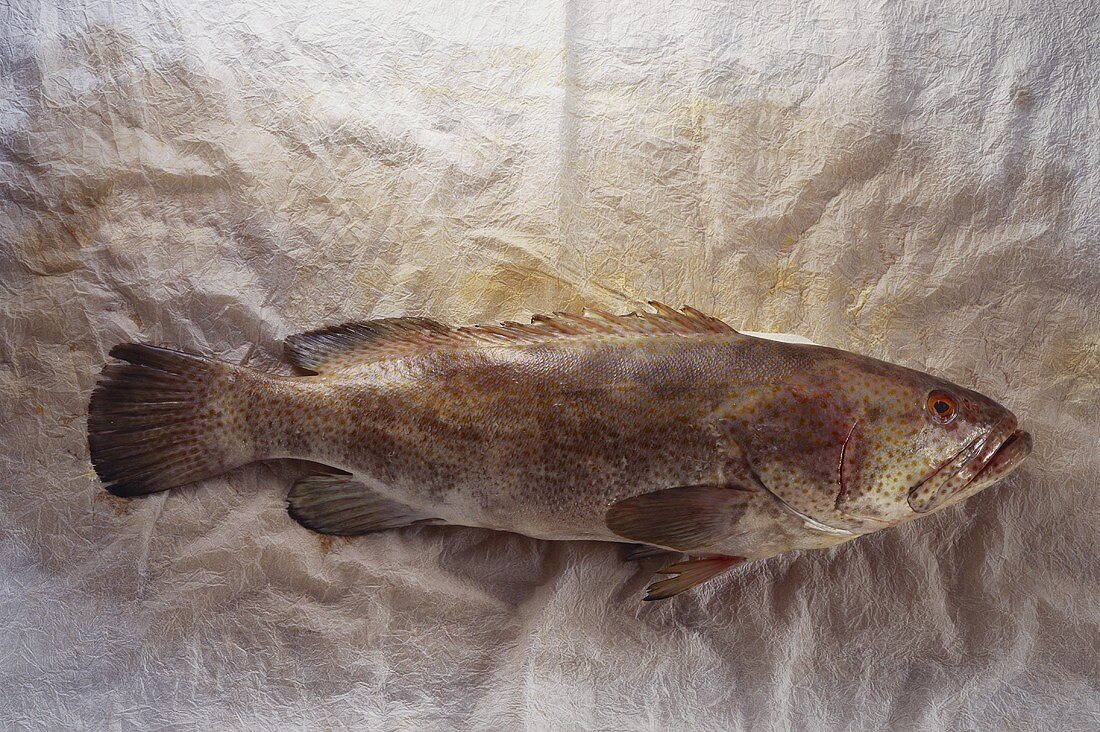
{"points": [[689, 574], [341, 505], [685, 519]]}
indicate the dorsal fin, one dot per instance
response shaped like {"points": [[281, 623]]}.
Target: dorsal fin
{"points": [[346, 346]]}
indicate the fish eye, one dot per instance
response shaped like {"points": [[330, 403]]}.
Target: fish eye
{"points": [[942, 406]]}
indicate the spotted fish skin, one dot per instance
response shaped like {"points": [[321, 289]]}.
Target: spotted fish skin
{"points": [[668, 429]]}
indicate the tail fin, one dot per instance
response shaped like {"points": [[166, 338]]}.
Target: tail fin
{"points": [[163, 419]]}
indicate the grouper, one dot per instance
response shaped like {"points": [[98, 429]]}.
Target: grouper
{"points": [[667, 429]]}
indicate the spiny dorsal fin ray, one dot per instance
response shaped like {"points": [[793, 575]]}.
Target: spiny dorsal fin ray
{"points": [[348, 345]]}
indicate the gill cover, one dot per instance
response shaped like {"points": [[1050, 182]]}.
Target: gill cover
{"points": [[791, 438]]}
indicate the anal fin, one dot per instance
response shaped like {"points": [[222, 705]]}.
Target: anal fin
{"points": [[341, 505]]}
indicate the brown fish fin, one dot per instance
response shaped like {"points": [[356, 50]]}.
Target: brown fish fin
{"points": [[154, 422], [348, 345], [689, 574], [341, 505], [684, 519], [344, 346]]}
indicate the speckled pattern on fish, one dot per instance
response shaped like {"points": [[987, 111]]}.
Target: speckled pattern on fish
{"points": [[667, 429]]}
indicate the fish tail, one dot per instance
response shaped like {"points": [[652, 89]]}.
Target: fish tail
{"points": [[166, 418]]}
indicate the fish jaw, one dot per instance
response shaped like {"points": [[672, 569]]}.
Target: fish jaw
{"points": [[983, 462], [1011, 453]]}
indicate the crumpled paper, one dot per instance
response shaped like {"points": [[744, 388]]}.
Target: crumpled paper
{"points": [[916, 182]]}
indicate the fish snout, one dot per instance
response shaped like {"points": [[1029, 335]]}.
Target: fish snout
{"points": [[1005, 458]]}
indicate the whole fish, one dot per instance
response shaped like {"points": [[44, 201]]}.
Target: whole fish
{"points": [[669, 430]]}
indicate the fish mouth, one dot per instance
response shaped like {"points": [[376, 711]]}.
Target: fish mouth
{"points": [[1006, 458], [983, 462]]}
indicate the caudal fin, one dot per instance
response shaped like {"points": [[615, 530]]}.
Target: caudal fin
{"points": [[163, 419]]}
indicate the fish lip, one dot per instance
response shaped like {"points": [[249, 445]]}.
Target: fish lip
{"points": [[1003, 433], [1006, 458], [975, 458]]}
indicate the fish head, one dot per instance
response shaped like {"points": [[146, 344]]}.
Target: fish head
{"points": [[919, 443], [855, 444]]}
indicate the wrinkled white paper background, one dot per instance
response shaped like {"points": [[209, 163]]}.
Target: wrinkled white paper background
{"points": [[918, 182]]}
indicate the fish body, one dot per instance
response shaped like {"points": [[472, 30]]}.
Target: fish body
{"points": [[667, 429]]}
